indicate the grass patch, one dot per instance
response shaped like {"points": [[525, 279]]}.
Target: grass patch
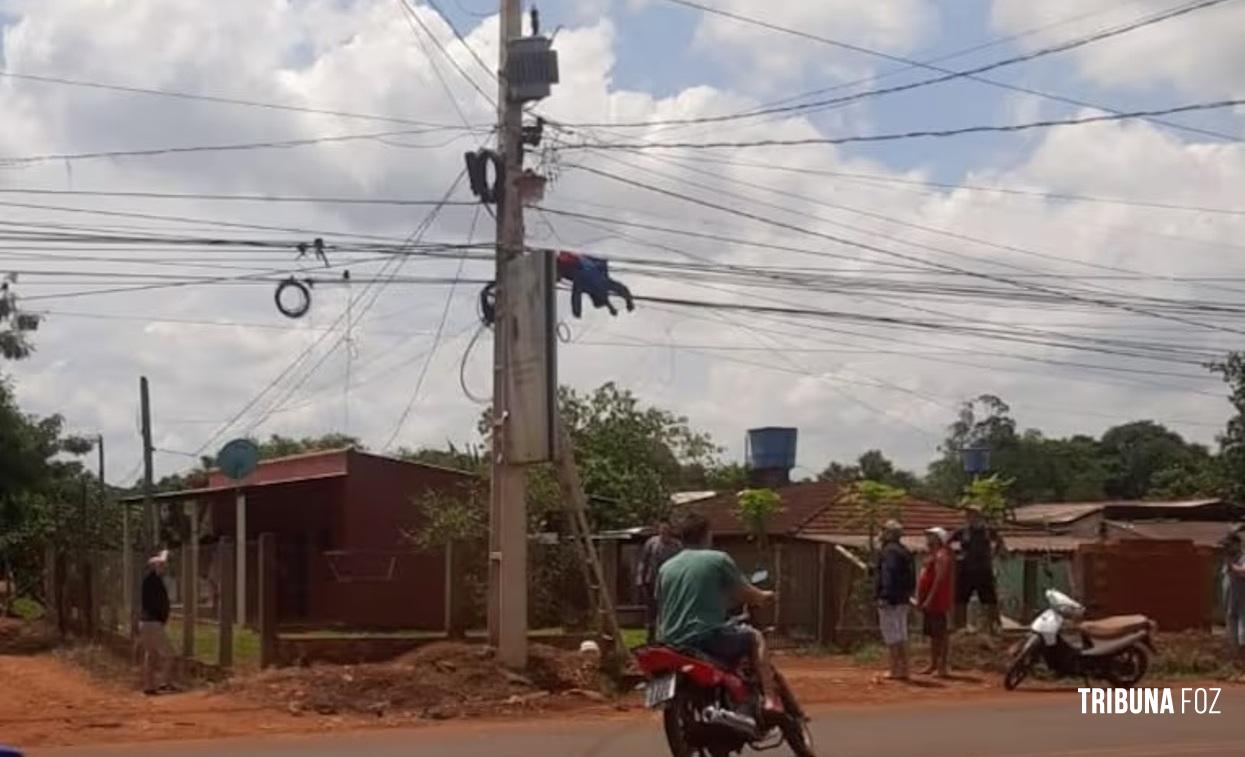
{"points": [[207, 644], [635, 637], [26, 609], [868, 654]]}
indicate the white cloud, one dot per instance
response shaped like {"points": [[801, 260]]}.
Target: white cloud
{"points": [[1198, 53], [768, 59], [848, 386]]}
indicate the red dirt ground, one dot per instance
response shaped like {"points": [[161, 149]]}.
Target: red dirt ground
{"points": [[51, 701]]}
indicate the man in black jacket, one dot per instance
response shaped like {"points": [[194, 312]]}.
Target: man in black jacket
{"points": [[894, 580], [157, 652]]}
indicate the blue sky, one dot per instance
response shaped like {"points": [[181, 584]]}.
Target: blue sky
{"points": [[656, 54]]}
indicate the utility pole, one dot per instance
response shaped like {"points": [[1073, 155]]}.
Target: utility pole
{"points": [[507, 504], [150, 528]]}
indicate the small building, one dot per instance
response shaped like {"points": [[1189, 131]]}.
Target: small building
{"points": [[1115, 518], [343, 521]]}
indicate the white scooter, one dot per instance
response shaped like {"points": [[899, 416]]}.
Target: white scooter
{"points": [[1116, 649]]}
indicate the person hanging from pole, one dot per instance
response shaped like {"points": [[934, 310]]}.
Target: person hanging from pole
{"points": [[591, 275]]}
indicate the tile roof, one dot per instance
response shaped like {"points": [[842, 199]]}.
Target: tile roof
{"points": [[800, 502]]}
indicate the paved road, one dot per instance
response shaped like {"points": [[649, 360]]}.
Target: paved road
{"points": [[1042, 725]]}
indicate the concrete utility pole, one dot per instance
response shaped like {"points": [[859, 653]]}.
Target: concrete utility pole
{"points": [[150, 529], [507, 505]]}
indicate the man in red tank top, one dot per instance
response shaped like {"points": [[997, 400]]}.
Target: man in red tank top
{"points": [[934, 595]]}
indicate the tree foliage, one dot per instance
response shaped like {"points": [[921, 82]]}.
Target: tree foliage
{"points": [[989, 493], [870, 503], [873, 465]]}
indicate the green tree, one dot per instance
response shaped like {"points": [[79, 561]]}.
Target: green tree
{"points": [[873, 465], [631, 457], [1135, 453], [871, 503], [756, 509], [989, 493], [1232, 440], [983, 422]]}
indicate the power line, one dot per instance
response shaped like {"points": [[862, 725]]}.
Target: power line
{"points": [[899, 255], [234, 197], [9, 162], [224, 100], [947, 74], [927, 133], [870, 177], [436, 341], [413, 15]]}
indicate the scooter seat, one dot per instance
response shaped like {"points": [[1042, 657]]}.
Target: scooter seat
{"points": [[1116, 626]]}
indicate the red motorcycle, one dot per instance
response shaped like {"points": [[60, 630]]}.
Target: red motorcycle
{"points": [[713, 711]]}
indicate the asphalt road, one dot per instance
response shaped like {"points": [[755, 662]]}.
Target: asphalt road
{"points": [[1041, 725]]}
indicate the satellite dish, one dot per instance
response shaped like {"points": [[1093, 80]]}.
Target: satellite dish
{"points": [[238, 459]]}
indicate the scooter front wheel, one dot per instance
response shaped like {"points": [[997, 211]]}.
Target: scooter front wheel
{"points": [[1021, 665]]}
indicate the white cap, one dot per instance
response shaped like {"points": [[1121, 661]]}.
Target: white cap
{"points": [[159, 559], [940, 532]]}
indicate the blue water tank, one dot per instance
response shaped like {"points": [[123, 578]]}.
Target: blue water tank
{"points": [[976, 459], [770, 448]]}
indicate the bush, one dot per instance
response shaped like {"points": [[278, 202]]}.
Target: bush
{"points": [[26, 609]]}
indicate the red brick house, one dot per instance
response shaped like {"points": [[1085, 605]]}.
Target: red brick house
{"points": [[342, 520]]}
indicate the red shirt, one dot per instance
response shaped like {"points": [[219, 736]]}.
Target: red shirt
{"points": [[940, 599]]}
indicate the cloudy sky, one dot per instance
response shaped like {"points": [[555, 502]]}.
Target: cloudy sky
{"points": [[1081, 273]]}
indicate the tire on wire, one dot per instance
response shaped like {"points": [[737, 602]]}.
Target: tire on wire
{"points": [[1126, 668]]}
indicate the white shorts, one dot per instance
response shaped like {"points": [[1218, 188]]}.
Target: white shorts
{"points": [[893, 622]]}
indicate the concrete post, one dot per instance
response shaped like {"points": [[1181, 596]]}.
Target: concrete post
{"points": [[228, 601], [267, 599]]}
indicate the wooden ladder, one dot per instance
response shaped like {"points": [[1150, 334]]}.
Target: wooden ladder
{"points": [[576, 504]]}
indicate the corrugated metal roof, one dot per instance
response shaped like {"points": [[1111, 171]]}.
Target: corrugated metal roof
{"points": [[1062, 513], [1025, 544], [210, 490], [1056, 513], [1207, 533]]}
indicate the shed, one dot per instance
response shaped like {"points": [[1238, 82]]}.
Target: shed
{"points": [[342, 521]]}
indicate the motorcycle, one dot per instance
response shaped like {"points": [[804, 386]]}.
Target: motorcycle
{"points": [[711, 710], [1116, 649]]}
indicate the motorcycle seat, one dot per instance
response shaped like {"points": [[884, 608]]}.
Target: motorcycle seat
{"points": [[1116, 626]]}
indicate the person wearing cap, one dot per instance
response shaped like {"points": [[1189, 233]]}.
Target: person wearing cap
{"points": [[933, 599], [979, 544], [894, 579], [157, 652]]}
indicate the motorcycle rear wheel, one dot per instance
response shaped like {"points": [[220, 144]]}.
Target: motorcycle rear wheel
{"points": [[1126, 669], [674, 720]]}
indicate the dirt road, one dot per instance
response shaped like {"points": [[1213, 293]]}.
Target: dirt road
{"points": [[1024, 725]]}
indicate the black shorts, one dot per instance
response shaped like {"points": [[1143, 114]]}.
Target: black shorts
{"points": [[934, 623], [976, 581]]}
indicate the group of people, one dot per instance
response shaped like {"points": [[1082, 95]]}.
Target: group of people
{"points": [[946, 584]]}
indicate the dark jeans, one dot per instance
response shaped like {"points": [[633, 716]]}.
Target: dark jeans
{"points": [[648, 595]]}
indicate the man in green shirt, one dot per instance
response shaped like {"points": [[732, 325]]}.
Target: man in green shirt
{"points": [[697, 589]]}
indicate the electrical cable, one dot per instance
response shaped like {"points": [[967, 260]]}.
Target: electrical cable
{"points": [[947, 74], [221, 100], [916, 134]]}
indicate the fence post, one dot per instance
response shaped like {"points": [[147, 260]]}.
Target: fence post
{"points": [[267, 604], [449, 588], [190, 582], [822, 585], [88, 595], [228, 599]]}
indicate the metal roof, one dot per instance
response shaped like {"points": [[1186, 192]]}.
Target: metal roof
{"points": [[208, 491], [1063, 513], [1041, 544], [1206, 533]]}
